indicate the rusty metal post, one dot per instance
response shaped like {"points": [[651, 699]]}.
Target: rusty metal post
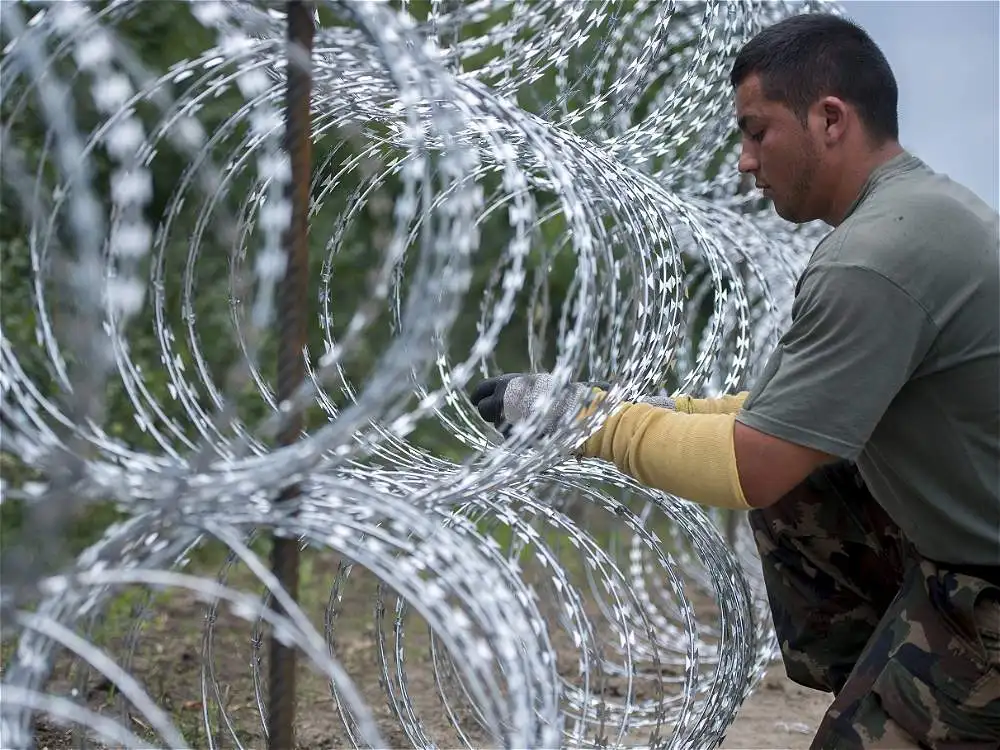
{"points": [[292, 315]]}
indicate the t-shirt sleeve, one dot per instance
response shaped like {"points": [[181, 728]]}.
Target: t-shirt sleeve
{"points": [[854, 340]]}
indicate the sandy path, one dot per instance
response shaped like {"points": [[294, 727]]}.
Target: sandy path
{"points": [[779, 714]]}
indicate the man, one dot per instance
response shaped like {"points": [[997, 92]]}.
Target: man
{"points": [[868, 453]]}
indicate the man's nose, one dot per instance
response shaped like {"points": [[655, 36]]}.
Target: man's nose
{"points": [[748, 162]]}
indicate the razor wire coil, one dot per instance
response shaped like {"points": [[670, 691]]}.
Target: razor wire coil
{"points": [[463, 151]]}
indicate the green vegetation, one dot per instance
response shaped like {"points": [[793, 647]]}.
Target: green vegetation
{"points": [[162, 34]]}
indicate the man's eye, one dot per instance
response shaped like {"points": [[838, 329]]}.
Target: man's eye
{"points": [[757, 136]]}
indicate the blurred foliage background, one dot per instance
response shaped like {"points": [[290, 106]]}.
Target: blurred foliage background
{"points": [[162, 34]]}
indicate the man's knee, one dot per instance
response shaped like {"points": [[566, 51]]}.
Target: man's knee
{"points": [[931, 674], [903, 708]]}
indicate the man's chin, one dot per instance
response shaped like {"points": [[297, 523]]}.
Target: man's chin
{"points": [[788, 213]]}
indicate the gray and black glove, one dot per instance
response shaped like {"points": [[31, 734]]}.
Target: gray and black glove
{"points": [[509, 399]]}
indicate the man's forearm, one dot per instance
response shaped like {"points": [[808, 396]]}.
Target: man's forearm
{"points": [[708, 458], [727, 404], [688, 455]]}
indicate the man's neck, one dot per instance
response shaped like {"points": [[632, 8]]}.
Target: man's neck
{"points": [[854, 178]]}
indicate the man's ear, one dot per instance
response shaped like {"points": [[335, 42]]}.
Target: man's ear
{"points": [[834, 113]]}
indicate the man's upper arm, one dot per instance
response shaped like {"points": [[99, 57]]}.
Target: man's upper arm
{"points": [[769, 467], [855, 339]]}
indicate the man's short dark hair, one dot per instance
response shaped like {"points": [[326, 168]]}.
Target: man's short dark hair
{"points": [[806, 57]]}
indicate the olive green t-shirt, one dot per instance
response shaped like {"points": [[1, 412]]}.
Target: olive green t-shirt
{"points": [[892, 359]]}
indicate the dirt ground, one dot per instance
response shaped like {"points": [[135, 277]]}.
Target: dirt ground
{"points": [[779, 714], [166, 657]]}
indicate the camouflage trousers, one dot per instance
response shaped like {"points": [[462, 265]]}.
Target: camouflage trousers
{"points": [[909, 648]]}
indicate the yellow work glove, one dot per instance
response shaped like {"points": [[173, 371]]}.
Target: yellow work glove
{"points": [[688, 455], [727, 404]]}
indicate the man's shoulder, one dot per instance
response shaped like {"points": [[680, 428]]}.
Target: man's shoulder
{"points": [[924, 200], [924, 219], [928, 239]]}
